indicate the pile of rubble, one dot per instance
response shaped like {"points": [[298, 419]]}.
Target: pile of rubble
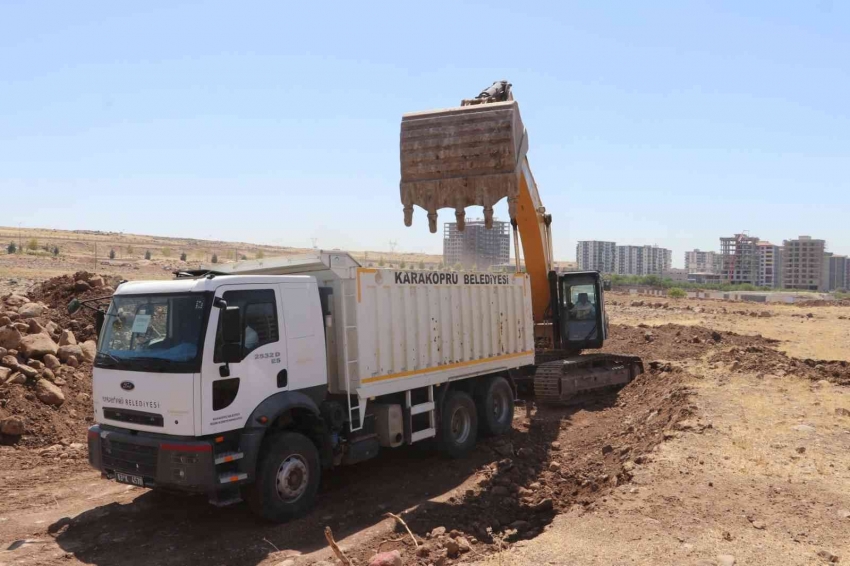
{"points": [[45, 362]]}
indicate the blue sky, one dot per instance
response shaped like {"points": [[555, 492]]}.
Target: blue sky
{"points": [[667, 123]]}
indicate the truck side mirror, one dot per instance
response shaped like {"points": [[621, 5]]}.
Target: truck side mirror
{"points": [[231, 334]]}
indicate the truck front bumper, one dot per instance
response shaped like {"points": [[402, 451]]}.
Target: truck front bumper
{"points": [[187, 465]]}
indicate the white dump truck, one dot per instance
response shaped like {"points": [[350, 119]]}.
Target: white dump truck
{"points": [[254, 379]]}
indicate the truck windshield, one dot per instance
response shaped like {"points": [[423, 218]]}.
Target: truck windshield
{"points": [[153, 332]]}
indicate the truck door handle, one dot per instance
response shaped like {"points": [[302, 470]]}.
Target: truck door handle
{"points": [[282, 380]]}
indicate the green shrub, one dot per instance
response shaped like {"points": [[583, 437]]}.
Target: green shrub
{"points": [[676, 293]]}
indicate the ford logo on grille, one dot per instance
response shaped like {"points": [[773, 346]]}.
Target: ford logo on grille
{"points": [[127, 385]]}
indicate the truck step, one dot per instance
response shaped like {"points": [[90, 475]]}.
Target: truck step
{"points": [[422, 408], [225, 457], [231, 477], [423, 434]]}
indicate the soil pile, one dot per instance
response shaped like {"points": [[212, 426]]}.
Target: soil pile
{"points": [[45, 363]]}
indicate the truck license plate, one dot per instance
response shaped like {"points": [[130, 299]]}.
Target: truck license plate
{"points": [[132, 480]]}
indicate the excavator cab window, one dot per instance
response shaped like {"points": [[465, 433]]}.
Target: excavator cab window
{"points": [[581, 310]]}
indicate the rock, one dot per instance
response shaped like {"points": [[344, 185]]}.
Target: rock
{"points": [[452, 548], [16, 300], [10, 337], [30, 310], [37, 345], [16, 378], [51, 361], [524, 452], [287, 562], [629, 466], [72, 361], [48, 393], [844, 513], [5, 320], [22, 327], [12, 426], [96, 281], [9, 361], [726, 560], [716, 336], [438, 532], [647, 336], [607, 449], [35, 364], [556, 445], [81, 286], [67, 337], [52, 327], [386, 559], [765, 314], [842, 412], [520, 526], [803, 428], [34, 326], [696, 340], [28, 371], [68, 351], [829, 557], [506, 449], [463, 544], [554, 466], [4, 374], [442, 559], [423, 552], [48, 374], [89, 348], [801, 450]]}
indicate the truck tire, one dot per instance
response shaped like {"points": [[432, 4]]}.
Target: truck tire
{"points": [[287, 478], [495, 406], [458, 430]]}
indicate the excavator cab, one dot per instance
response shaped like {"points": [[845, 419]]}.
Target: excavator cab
{"points": [[580, 317]]}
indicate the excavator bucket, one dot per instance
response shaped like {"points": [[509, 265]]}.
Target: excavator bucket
{"points": [[459, 157]]}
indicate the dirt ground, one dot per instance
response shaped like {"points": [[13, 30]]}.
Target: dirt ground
{"points": [[734, 447]]}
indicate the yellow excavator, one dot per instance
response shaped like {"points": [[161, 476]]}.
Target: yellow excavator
{"points": [[475, 155]]}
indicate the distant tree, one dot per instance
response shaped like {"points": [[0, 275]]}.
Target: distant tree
{"points": [[381, 261], [676, 293], [32, 244], [11, 248], [474, 267], [260, 254], [183, 256], [243, 257], [421, 265], [147, 254], [458, 266], [55, 251], [402, 265], [129, 250], [214, 258], [111, 254], [166, 252]]}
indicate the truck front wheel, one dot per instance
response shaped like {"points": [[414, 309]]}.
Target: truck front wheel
{"points": [[458, 424], [287, 478], [496, 406]]}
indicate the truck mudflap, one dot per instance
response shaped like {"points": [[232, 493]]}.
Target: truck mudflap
{"points": [[153, 461]]}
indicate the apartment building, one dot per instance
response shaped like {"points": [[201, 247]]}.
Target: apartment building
{"points": [[477, 246], [769, 265], [698, 261], [739, 257], [595, 255], [803, 264], [838, 273], [642, 260]]}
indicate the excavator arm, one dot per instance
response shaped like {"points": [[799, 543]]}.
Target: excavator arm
{"points": [[475, 155]]}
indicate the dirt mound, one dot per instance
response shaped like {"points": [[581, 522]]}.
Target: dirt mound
{"points": [[767, 361], [45, 362], [674, 341], [57, 292], [824, 303], [557, 458]]}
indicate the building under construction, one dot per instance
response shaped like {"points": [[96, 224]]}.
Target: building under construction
{"points": [[477, 246], [740, 259]]}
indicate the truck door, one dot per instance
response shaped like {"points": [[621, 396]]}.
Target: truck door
{"points": [[230, 394]]}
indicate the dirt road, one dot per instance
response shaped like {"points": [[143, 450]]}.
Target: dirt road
{"points": [[727, 447]]}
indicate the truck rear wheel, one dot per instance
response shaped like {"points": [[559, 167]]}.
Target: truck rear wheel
{"points": [[287, 478], [495, 406], [458, 430]]}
